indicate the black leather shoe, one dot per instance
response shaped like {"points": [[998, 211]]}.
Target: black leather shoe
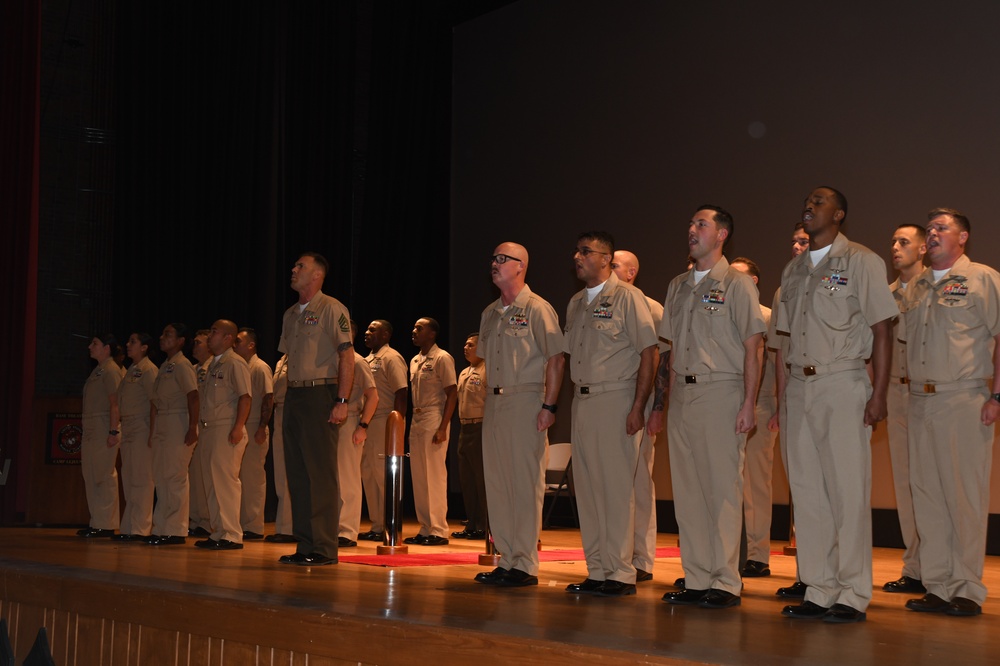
{"points": [[906, 585], [417, 540], [316, 560], [371, 536], [221, 544], [615, 588], [95, 533], [198, 531], [755, 569], [588, 586], [294, 558], [475, 535], [797, 590], [165, 540], [929, 603], [252, 536], [685, 597], [642, 576], [807, 610], [843, 614], [433, 540], [344, 542], [491, 577], [127, 537], [719, 599], [679, 583], [962, 607], [459, 535], [280, 538], [517, 578]]}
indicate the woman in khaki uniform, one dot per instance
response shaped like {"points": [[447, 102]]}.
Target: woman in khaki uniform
{"points": [[134, 396], [100, 437]]}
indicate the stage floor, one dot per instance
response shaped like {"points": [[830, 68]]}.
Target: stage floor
{"points": [[427, 614]]}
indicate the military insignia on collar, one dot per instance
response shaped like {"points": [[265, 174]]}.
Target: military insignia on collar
{"points": [[135, 375], [956, 289], [100, 371], [519, 320], [376, 363], [603, 311], [716, 296], [344, 324], [168, 368]]}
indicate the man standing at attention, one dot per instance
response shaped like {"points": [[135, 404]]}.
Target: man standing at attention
{"points": [[252, 475], [612, 345], [471, 401], [389, 369], [522, 346], [952, 326], [626, 266], [432, 375], [837, 310], [908, 249], [713, 323], [316, 336]]}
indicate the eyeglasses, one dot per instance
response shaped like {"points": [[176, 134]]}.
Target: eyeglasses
{"points": [[502, 259], [586, 251]]}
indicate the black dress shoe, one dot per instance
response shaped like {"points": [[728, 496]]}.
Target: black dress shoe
{"points": [[371, 536], [807, 610], [317, 560], [588, 586], [165, 540], [796, 590], [491, 577], [127, 537], [198, 531], [252, 536], [962, 607], [615, 588], [755, 569], [679, 583], [685, 597], [905, 584], [642, 576], [294, 558], [434, 540], [476, 535], [517, 578], [95, 533], [459, 535], [929, 603], [843, 614], [221, 544], [719, 599], [280, 538], [344, 542], [417, 540]]}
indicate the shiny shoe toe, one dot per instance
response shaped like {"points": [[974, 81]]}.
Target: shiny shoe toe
{"points": [[344, 542], [588, 586], [929, 603], [843, 614], [755, 569], [719, 599], [797, 590], [807, 610], [615, 588], [294, 558], [434, 540], [962, 607], [685, 597], [905, 585], [642, 576], [517, 578], [490, 577]]}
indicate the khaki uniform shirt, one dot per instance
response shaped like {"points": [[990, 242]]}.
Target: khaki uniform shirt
{"points": [[363, 380], [767, 385], [828, 310], [950, 326], [136, 389], [707, 323], [606, 337], [389, 369], [227, 380], [312, 337], [430, 375], [472, 392], [102, 382], [898, 367], [261, 383], [515, 343], [175, 380]]}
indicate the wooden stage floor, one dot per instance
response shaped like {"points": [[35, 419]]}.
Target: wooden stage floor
{"points": [[241, 607]]}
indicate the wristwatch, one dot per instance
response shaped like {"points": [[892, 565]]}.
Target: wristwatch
{"points": [[341, 401], [551, 408], [113, 432], [363, 425], [996, 396]]}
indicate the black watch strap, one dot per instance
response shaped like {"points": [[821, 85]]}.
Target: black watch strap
{"points": [[551, 408]]}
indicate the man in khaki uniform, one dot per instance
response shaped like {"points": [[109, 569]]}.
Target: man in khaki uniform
{"points": [[713, 323], [390, 371], [837, 310], [283, 512], [432, 375], [521, 345], [952, 327], [611, 341], [908, 249], [253, 478], [224, 407], [200, 524], [361, 407], [135, 394], [626, 266], [316, 336], [471, 403], [759, 465]]}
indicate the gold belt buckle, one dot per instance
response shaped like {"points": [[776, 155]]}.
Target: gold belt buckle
{"points": [[929, 388], [809, 370]]}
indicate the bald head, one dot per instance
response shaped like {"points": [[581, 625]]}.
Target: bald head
{"points": [[513, 250], [625, 265], [221, 336]]}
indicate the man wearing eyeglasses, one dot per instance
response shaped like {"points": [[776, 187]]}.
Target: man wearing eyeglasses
{"points": [[522, 347], [612, 341]]}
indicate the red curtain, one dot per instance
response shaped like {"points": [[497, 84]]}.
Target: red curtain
{"points": [[20, 61]]}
